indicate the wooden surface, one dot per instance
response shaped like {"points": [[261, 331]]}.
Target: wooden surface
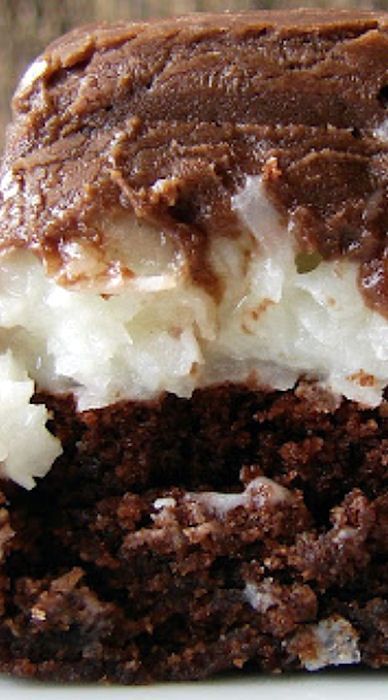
{"points": [[26, 26]]}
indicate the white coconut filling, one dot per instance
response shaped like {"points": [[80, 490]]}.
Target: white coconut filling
{"points": [[138, 326], [381, 132], [27, 449], [258, 492], [332, 642]]}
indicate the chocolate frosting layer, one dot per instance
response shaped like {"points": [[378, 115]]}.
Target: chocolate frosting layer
{"points": [[167, 118]]}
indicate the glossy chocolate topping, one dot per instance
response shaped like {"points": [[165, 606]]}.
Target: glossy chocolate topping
{"points": [[166, 119]]}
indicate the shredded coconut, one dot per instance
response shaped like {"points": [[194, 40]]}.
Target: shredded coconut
{"points": [[332, 642], [127, 322], [27, 449], [381, 132], [259, 596], [167, 502], [259, 492]]}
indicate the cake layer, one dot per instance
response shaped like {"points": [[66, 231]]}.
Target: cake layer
{"points": [[176, 539]]}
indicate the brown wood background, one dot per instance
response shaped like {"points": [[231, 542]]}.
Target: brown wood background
{"points": [[26, 26]]}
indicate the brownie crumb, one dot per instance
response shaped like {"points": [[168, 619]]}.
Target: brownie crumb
{"points": [[233, 529]]}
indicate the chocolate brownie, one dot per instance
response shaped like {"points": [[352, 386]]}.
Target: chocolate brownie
{"points": [[194, 359]]}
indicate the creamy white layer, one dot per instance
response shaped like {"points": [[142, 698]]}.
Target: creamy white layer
{"points": [[27, 449], [110, 335]]}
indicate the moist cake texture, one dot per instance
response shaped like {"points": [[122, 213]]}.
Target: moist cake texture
{"points": [[194, 350]]}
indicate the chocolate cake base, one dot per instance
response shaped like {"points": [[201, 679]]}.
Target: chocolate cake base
{"points": [[132, 562]]}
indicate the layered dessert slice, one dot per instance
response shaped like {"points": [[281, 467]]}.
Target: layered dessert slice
{"points": [[194, 350]]}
